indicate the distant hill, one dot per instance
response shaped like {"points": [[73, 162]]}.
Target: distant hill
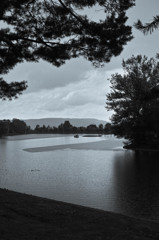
{"points": [[55, 122]]}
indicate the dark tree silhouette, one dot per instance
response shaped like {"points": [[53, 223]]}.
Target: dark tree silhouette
{"points": [[148, 27], [67, 127], [4, 127], [136, 114], [11, 90], [13, 127], [108, 128], [17, 127], [58, 30], [92, 128]]}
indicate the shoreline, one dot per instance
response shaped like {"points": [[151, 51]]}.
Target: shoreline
{"points": [[29, 217], [84, 146], [145, 148]]}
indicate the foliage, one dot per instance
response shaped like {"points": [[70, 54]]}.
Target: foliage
{"points": [[136, 108], [148, 27], [13, 127], [92, 128], [4, 127], [66, 127], [10, 90], [17, 127], [58, 30]]}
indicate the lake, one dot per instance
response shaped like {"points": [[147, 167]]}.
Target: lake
{"points": [[89, 171]]}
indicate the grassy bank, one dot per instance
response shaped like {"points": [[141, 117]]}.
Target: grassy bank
{"points": [[28, 217]]}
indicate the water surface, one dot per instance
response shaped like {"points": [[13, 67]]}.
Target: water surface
{"points": [[94, 172]]}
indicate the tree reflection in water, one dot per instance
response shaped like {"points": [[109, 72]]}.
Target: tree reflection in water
{"points": [[136, 179]]}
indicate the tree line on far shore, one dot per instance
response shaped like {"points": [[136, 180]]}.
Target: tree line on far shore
{"points": [[17, 127]]}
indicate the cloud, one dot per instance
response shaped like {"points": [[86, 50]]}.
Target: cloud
{"points": [[83, 99], [43, 75]]}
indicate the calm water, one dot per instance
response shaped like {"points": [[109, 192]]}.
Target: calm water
{"points": [[117, 180]]}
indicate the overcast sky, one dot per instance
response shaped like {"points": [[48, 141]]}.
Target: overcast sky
{"points": [[77, 89]]}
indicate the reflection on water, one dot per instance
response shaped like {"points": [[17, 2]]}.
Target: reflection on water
{"points": [[136, 176], [120, 181]]}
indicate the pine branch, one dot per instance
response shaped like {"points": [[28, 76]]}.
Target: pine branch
{"points": [[78, 18], [148, 27], [11, 90]]}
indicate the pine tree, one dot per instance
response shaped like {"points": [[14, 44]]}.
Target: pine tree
{"points": [[58, 30]]}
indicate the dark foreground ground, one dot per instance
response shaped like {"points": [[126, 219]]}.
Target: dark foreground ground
{"points": [[28, 217]]}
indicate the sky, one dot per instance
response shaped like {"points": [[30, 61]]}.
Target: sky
{"points": [[77, 89]]}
